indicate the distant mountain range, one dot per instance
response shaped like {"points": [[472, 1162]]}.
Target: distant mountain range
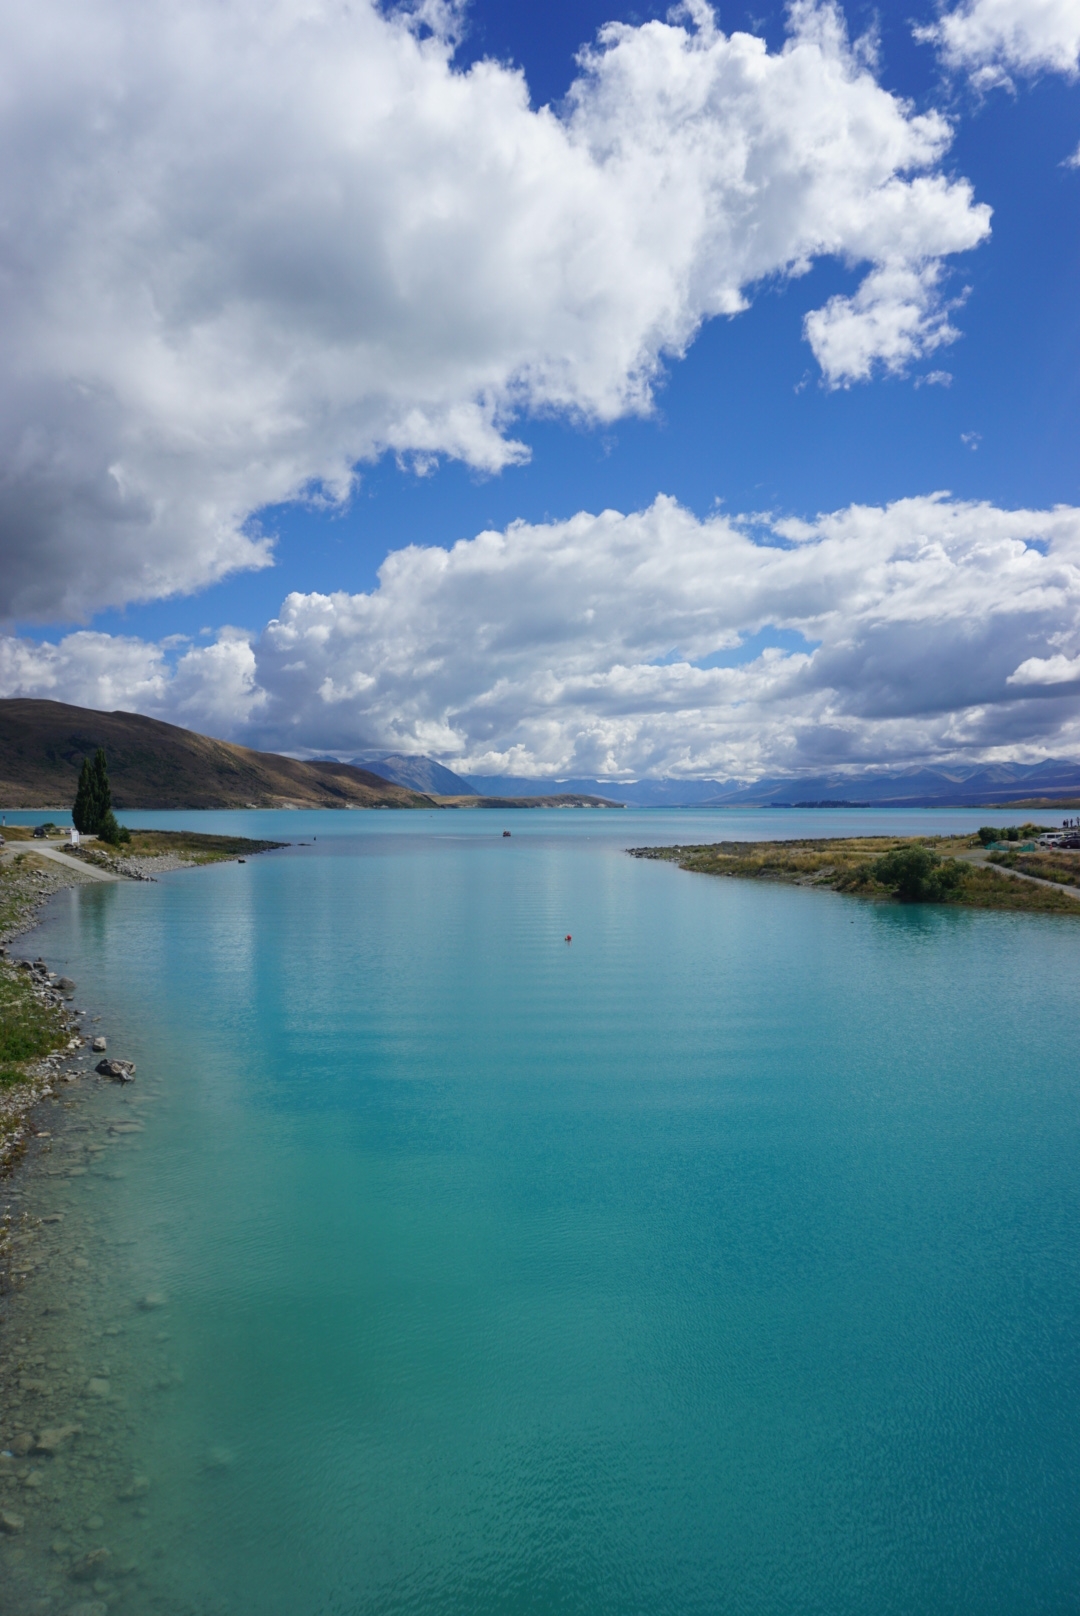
{"points": [[981, 785], [419, 774], [156, 765]]}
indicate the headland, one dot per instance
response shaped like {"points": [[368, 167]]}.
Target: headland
{"points": [[954, 870]]}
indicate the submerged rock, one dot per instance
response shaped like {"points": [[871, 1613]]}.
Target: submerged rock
{"points": [[22, 1444], [10, 1523], [90, 1565], [122, 1070], [99, 1045], [54, 1440], [219, 1459], [152, 1300]]}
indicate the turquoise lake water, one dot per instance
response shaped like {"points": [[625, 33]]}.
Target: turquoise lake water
{"points": [[725, 1260]]}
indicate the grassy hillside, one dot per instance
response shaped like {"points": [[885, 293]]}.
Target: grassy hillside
{"points": [[156, 765]]}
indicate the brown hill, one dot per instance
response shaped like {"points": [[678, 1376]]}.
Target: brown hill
{"points": [[156, 765]]}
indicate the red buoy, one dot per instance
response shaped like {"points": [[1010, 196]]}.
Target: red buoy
{"points": [[569, 939]]}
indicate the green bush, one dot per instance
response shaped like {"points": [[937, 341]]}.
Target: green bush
{"points": [[111, 831], [1012, 834], [988, 834], [916, 875]]}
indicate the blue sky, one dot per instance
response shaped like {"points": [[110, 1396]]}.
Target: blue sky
{"points": [[749, 421], [743, 420]]}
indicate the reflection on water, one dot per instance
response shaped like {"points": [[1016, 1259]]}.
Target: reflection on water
{"points": [[723, 1260]]}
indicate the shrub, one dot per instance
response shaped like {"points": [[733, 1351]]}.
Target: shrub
{"points": [[111, 831], [916, 875], [1012, 834], [861, 876], [988, 834]]}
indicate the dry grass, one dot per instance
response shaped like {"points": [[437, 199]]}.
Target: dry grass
{"points": [[193, 845], [986, 888], [1056, 866]]}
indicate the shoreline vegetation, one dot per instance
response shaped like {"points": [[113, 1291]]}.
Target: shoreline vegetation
{"points": [[40, 1035], [148, 852], [952, 870], [143, 853]]}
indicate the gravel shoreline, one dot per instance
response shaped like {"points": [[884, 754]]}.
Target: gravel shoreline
{"points": [[73, 1508], [85, 1363], [27, 890]]}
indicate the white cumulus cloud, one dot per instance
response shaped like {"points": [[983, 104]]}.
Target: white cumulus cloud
{"points": [[248, 244], [1054, 670], [211, 687], [615, 644], [992, 39]]}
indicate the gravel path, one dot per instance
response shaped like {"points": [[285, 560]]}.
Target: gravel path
{"points": [[1019, 875], [89, 872]]}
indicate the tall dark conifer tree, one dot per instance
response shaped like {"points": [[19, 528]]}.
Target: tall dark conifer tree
{"points": [[83, 816], [102, 789], [93, 798]]}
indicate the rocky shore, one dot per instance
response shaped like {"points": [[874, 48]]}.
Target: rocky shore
{"points": [[85, 1362], [136, 869], [79, 1369], [24, 890]]}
